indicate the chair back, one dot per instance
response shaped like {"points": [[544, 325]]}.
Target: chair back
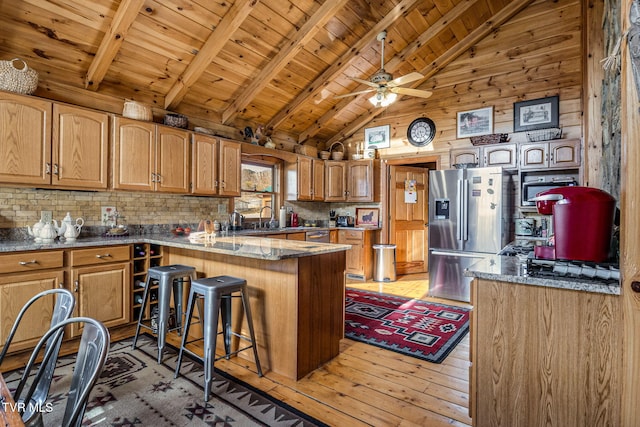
{"points": [[90, 359], [63, 308], [64, 304]]}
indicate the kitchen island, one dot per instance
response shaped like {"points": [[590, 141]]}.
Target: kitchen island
{"points": [[543, 351], [296, 289]]}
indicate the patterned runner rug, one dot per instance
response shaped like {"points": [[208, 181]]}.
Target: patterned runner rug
{"points": [[135, 391], [422, 329]]}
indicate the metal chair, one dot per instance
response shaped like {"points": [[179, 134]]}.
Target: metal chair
{"points": [[90, 359], [63, 308]]}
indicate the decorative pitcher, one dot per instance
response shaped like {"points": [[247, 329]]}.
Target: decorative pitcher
{"points": [[35, 231], [48, 233], [73, 230]]}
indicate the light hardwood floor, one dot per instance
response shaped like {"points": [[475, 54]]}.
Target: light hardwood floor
{"points": [[366, 385]]}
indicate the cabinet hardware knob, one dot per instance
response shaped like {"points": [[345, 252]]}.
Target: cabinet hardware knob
{"points": [[47, 168], [56, 169], [99, 256], [635, 286], [76, 286], [33, 261]]}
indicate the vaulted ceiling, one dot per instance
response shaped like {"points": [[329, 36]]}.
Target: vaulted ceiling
{"points": [[276, 63]]}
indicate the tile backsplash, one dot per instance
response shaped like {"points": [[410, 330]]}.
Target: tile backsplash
{"points": [[20, 207]]}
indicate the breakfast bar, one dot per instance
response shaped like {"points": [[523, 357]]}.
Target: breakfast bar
{"points": [[296, 287]]}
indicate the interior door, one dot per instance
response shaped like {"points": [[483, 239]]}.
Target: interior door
{"points": [[409, 218]]}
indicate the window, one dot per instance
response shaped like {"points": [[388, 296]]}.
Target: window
{"points": [[258, 189]]}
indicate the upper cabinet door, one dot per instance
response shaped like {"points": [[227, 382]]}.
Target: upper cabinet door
{"points": [[229, 175], [305, 178], [505, 155], [335, 181], [25, 140], [172, 162], [204, 170], [318, 180], [80, 147], [134, 154], [564, 154], [360, 181]]}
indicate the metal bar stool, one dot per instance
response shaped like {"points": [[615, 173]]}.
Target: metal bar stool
{"points": [[217, 293], [169, 277]]}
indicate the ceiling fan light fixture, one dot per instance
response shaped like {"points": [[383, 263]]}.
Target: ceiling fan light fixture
{"points": [[383, 99]]}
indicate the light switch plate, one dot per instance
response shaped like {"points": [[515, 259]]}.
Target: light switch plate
{"points": [[46, 216], [106, 212], [222, 208]]}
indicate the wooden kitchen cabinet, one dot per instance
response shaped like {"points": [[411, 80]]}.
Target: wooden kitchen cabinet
{"points": [[23, 276], [350, 181], [101, 282], [541, 344], [80, 148], [335, 179], [504, 155], [150, 157], [558, 154], [50, 144], [216, 166], [359, 263], [310, 179]]}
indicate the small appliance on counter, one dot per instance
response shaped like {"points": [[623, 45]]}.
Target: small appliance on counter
{"points": [[582, 221], [344, 221], [332, 218], [235, 221], [294, 219]]}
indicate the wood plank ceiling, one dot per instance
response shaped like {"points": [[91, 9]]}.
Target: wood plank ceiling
{"points": [[276, 63]]}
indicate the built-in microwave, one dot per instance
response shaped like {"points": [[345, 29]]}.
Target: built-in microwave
{"points": [[531, 188]]}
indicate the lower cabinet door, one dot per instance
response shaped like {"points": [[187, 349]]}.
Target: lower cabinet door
{"points": [[102, 293], [15, 291]]}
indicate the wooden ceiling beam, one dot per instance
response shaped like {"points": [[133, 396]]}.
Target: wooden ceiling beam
{"points": [[312, 89], [111, 42], [391, 66], [442, 61], [214, 44], [328, 9]]}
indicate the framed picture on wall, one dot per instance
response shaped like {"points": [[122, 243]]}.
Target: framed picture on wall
{"points": [[535, 114], [367, 217], [377, 137], [475, 122]]}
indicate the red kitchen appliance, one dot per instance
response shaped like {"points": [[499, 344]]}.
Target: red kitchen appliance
{"points": [[582, 223]]}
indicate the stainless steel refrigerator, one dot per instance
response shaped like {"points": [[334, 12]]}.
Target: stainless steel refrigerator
{"points": [[466, 223]]}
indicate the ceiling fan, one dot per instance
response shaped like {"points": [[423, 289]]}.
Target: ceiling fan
{"points": [[385, 86]]}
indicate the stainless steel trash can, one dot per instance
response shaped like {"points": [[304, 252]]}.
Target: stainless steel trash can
{"points": [[384, 259]]}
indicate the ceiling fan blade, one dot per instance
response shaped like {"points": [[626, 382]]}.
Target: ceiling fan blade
{"points": [[411, 92], [366, 82], [411, 77], [354, 93]]}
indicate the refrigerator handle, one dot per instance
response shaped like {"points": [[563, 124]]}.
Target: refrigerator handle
{"points": [[459, 211], [465, 209]]}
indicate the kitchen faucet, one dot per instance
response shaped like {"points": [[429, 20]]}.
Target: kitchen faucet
{"points": [[260, 215]]}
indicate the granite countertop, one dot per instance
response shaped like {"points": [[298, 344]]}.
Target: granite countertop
{"points": [[512, 269], [237, 245]]}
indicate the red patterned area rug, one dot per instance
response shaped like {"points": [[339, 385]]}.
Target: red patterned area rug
{"points": [[422, 329]]}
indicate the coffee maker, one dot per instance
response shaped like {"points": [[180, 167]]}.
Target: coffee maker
{"points": [[582, 219]]}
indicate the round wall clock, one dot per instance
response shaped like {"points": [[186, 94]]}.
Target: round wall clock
{"points": [[421, 132]]}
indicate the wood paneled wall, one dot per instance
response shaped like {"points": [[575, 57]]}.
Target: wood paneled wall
{"points": [[536, 54]]}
